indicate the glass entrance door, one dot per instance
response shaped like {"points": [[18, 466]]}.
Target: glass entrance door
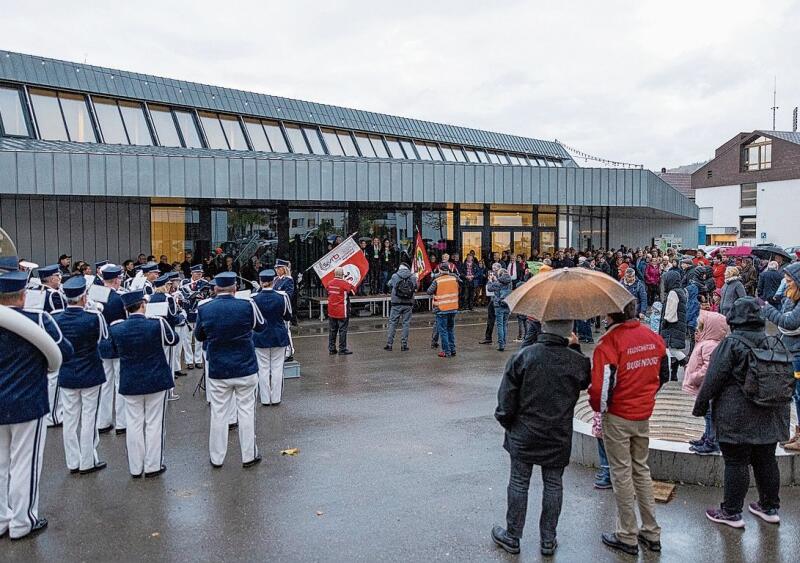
{"points": [[471, 240]]}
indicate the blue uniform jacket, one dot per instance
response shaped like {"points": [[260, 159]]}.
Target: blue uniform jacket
{"points": [[173, 313], [276, 310], [225, 324], [54, 301], [113, 311], [23, 372], [84, 330], [139, 343], [284, 284]]}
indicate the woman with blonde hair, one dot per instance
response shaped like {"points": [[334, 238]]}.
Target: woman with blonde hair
{"points": [[732, 289]]}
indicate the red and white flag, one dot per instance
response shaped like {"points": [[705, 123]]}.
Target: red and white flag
{"points": [[349, 256], [421, 266]]}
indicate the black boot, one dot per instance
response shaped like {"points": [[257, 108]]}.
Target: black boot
{"points": [[673, 369], [501, 538]]}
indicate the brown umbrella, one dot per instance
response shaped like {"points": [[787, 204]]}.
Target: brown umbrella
{"points": [[569, 293]]}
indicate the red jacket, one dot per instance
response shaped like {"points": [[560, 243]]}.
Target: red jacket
{"points": [[338, 289], [719, 274], [628, 368]]}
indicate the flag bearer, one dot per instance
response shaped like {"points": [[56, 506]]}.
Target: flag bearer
{"points": [[271, 343]]}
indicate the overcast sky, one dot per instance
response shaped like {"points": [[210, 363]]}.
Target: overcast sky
{"points": [[652, 82]]}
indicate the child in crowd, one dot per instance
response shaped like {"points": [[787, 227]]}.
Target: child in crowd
{"points": [[711, 330]]}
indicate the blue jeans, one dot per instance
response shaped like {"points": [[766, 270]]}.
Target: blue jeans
{"points": [[710, 433], [446, 323], [605, 471], [584, 330], [500, 320]]}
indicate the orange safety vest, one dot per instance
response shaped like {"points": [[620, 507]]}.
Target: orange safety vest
{"points": [[446, 298]]}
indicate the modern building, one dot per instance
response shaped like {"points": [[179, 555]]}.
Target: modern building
{"points": [[103, 163], [749, 192]]}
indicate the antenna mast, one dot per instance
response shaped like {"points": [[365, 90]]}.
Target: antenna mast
{"points": [[774, 101]]}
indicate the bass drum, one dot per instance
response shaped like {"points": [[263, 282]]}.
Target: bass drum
{"points": [[12, 321]]}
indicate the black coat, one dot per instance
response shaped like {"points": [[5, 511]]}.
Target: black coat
{"points": [[537, 397], [736, 419]]}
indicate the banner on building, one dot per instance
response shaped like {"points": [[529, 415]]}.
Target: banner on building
{"points": [[349, 256], [421, 266]]}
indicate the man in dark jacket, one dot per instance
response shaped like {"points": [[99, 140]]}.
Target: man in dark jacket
{"points": [[748, 434], [535, 405], [768, 283], [402, 303], [674, 321]]}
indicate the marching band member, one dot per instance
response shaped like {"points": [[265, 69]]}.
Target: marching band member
{"points": [[80, 378], [23, 406], [192, 348], [151, 273], [54, 302], [271, 343], [226, 323], [98, 272], [285, 283], [181, 329], [161, 287], [145, 380], [111, 413]]}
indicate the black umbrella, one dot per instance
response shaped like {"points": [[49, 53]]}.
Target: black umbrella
{"points": [[767, 251]]}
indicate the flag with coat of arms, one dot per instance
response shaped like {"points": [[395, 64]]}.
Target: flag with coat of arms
{"points": [[347, 255], [422, 265]]}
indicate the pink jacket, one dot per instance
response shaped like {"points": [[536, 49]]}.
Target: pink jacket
{"points": [[652, 275], [715, 328]]}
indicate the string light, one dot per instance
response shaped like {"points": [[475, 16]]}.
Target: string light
{"points": [[587, 157]]}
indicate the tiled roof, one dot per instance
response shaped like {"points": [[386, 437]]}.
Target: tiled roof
{"points": [[680, 181]]}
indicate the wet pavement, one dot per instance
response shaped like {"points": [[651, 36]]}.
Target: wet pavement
{"points": [[400, 460]]}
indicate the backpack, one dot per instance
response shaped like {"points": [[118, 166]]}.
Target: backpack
{"points": [[405, 288], [769, 376]]}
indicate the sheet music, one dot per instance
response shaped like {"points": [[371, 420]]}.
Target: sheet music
{"points": [[99, 293], [34, 300], [155, 310], [244, 294]]}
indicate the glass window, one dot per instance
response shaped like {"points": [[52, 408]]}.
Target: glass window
{"points": [[482, 156], [471, 240], [503, 158], [332, 142], [447, 151], [257, 135], [395, 150], [547, 219], [168, 231], [377, 144], [188, 126], [245, 232], [364, 145], [135, 123], [164, 126], [522, 244], [747, 227], [215, 137], [472, 156], [12, 116], [459, 154], [48, 115], [422, 149], [233, 132], [110, 120], [437, 230], [749, 195], [296, 138], [558, 164], [397, 226], [510, 218], [757, 155], [493, 158], [275, 136], [408, 148], [501, 241], [348, 145], [547, 241], [309, 230], [76, 115], [313, 140], [472, 216], [434, 150]]}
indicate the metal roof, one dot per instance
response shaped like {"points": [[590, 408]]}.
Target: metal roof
{"points": [[53, 73], [790, 136], [35, 167]]}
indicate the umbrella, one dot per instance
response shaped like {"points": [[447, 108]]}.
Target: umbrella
{"points": [[768, 251], [569, 293], [738, 251]]}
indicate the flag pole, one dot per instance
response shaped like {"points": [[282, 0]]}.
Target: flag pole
{"points": [[312, 265]]}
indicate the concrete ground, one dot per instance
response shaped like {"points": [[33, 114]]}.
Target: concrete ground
{"points": [[400, 460]]}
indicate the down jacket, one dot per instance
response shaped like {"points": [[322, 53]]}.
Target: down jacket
{"points": [[788, 318], [714, 329]]}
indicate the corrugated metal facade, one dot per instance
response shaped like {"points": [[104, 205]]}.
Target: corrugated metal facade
{"points": [[77, 170], [43, 228], [638, 228]]}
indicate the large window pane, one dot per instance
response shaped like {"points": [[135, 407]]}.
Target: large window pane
{"points": [[422, 149], [377, 144], [459, 154], [434, 150], [522, 244], [437, 230], [364, 145], [347, 143], [188, 128], [503, 158], [510, 219], [313, 140], [296, 139], [472, 155], [447, 151], [395, 150], [213, 130], [164, 126], [76, 114], [233, 131], [482, 156], [332, 142], [110, 120], [135, 123], [397, 226], [244, 233], [309, 230], [275, 136], [471, 241], [257, 135], [472, 216], [408, 148], [493, 158], [48, 115], [501, 241], [11, 114]]}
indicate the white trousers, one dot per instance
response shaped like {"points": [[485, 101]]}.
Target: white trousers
{"points": [[21, 450], [54, 396], [192, 348], [184, 336], [270, 374], [80, 409], [146, 431], [223, 393], [112, 405]]}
